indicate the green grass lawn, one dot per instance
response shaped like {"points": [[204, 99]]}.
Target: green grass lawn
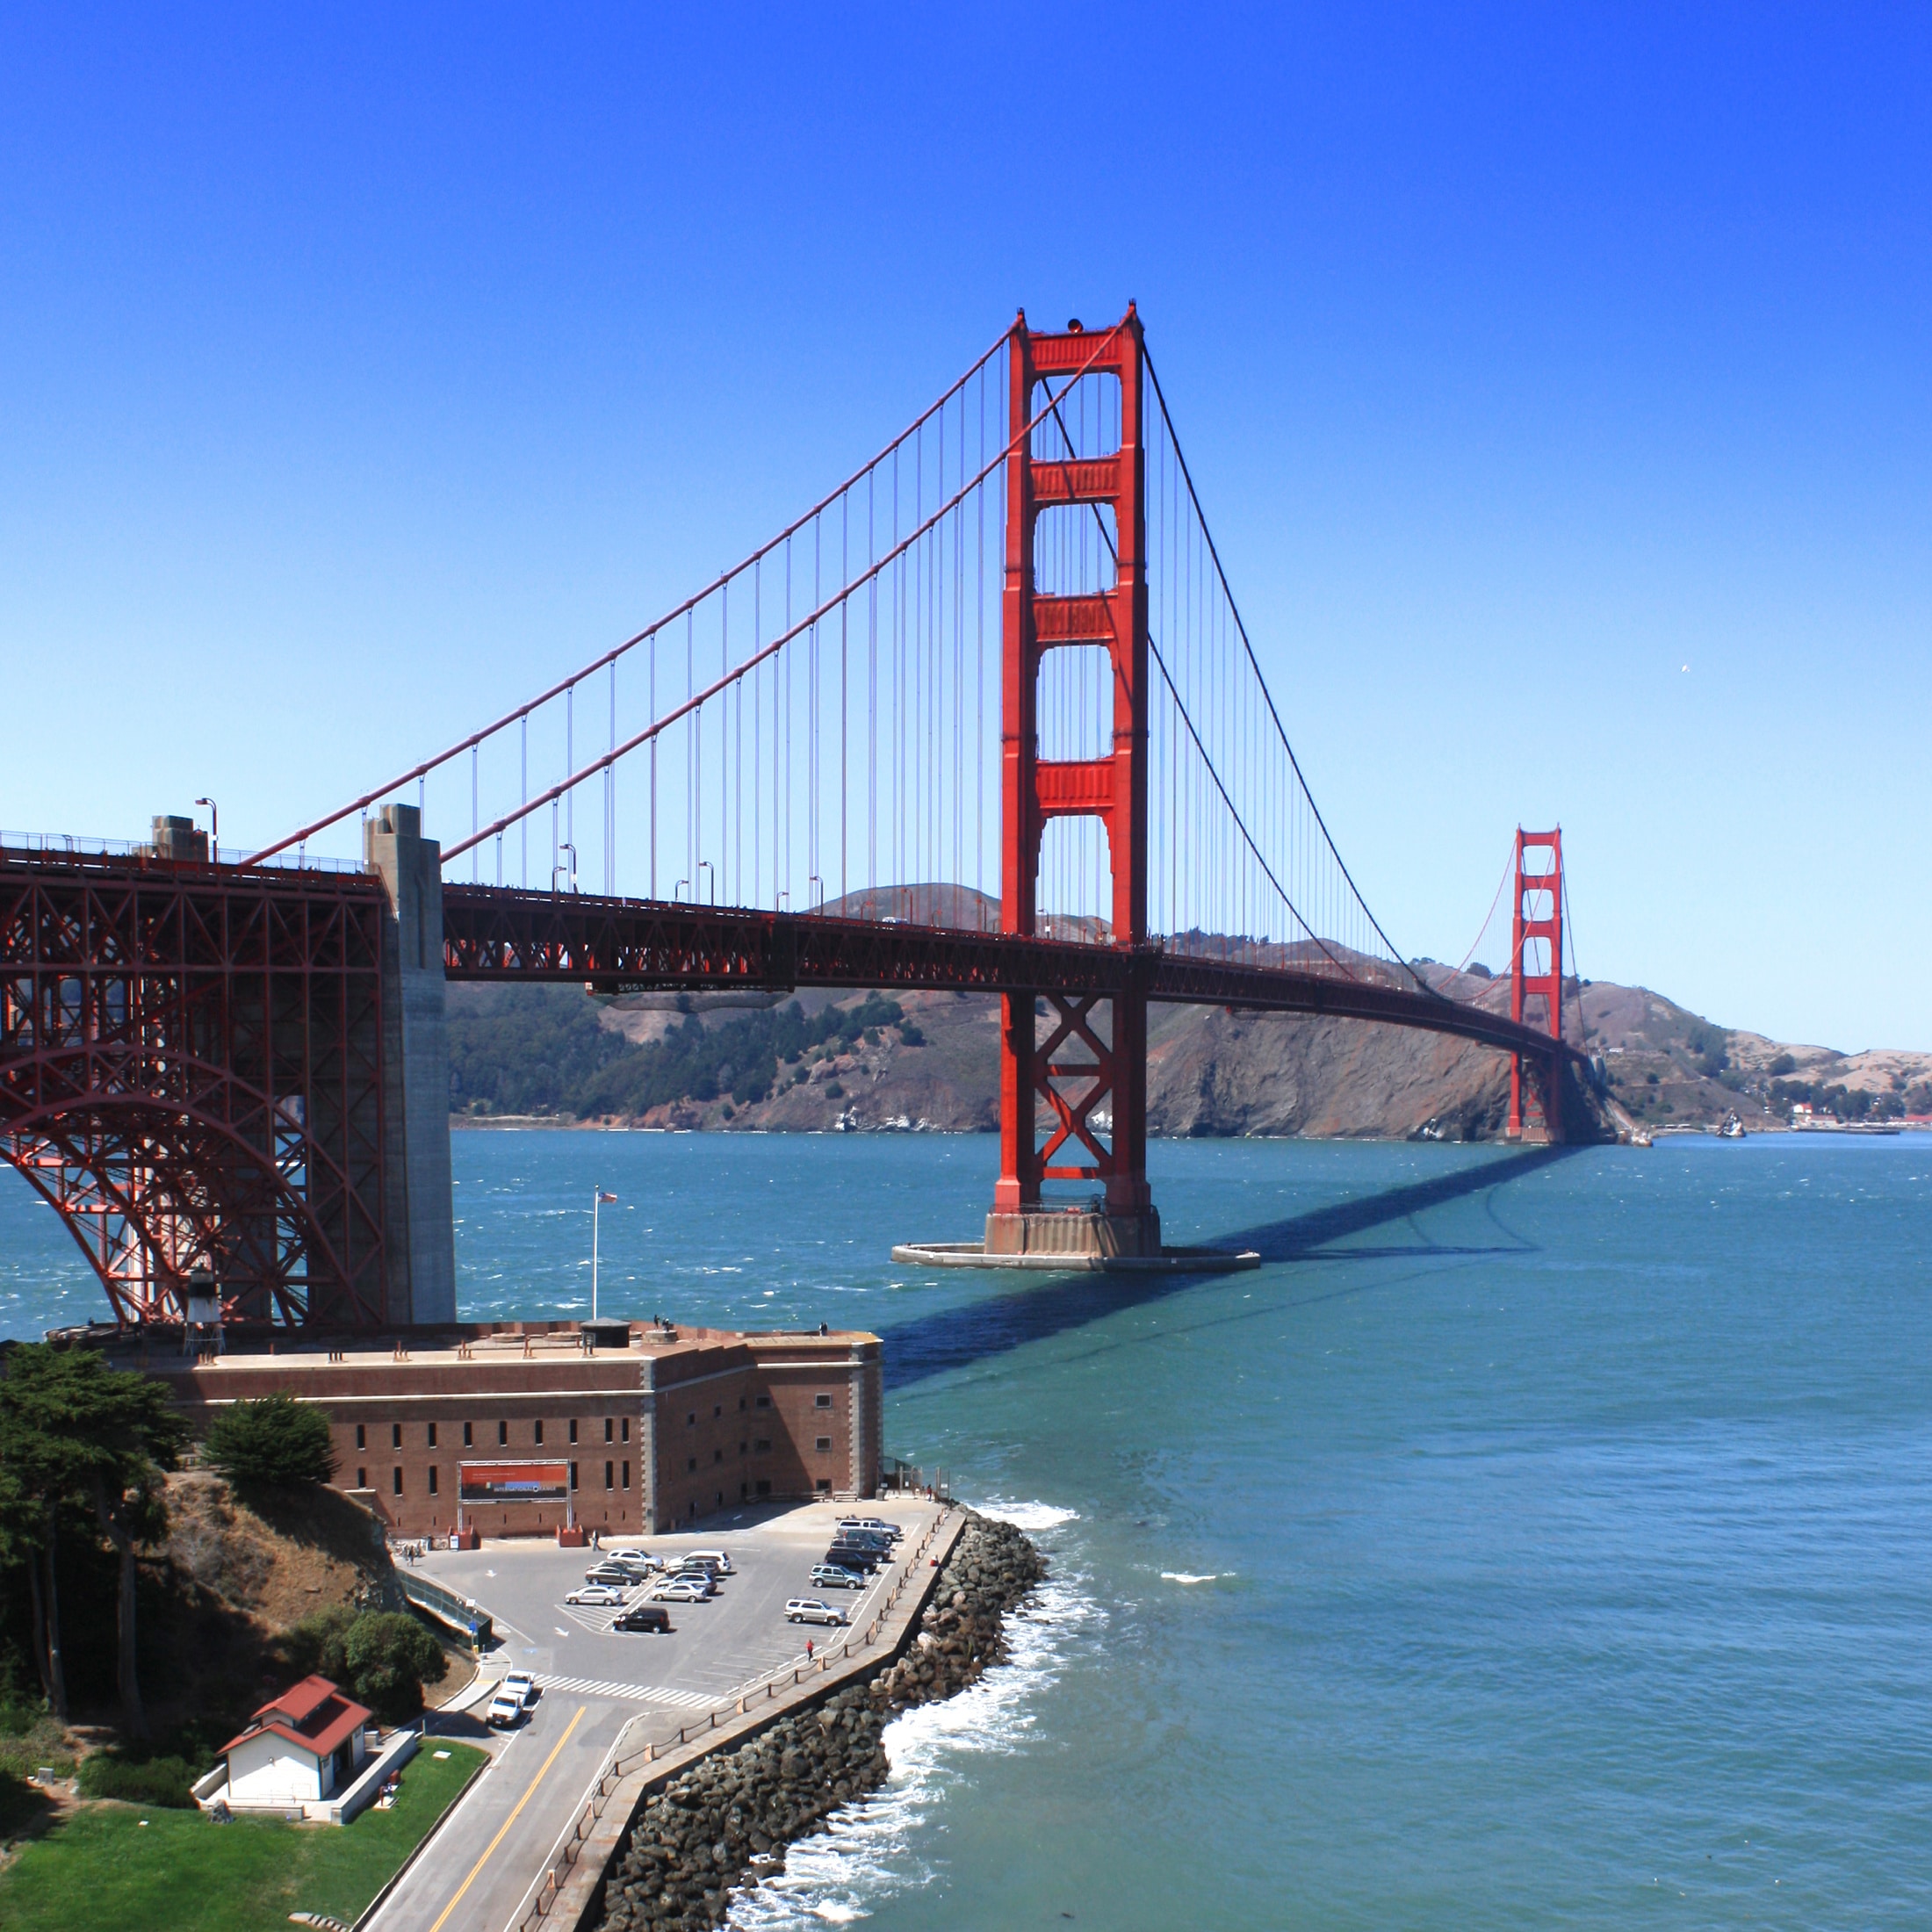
{"points": [[104, 1870]]}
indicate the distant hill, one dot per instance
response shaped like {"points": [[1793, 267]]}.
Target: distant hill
{"points": [[929, 1061]]}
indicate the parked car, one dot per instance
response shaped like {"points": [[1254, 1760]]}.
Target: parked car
{"points": [[675, 1590], [608, 1573], [600, 1595], [837, 1577], [812, 1610], [855, 1556], [712, 1560], [704, 1579], [523, 1684], [640, 1560], [506, 1709], [875, 1523], [649, 1616], [876, 1539]]}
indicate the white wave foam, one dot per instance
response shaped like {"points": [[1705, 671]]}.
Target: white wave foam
{"points": [[1028, 1516], [1187, 1577], [874, 1850]]}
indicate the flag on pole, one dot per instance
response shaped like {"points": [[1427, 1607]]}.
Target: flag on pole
{"points": [[607, 1197]]}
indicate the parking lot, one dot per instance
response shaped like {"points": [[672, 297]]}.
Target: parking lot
{"points": [[592, 1680]]}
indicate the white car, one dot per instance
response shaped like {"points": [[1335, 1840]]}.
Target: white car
{"points": [[811, 1609], [506, 1709], [674, 1591], [600, 1595], [522, 1684]]}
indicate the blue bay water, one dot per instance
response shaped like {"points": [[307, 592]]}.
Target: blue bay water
{"points": [[1532, 1541]]}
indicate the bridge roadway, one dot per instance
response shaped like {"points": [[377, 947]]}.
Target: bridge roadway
{"points": [[501, 932], [479, 1872]]}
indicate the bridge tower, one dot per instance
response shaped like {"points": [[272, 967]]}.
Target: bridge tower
{"points": [[1536, 922], [1103, 1092]]}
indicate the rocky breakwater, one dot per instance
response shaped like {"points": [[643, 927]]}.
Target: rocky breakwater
{"points": [[726, 1821]]}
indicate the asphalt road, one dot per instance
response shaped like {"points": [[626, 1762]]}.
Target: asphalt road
{"points": [[476, 1874]]}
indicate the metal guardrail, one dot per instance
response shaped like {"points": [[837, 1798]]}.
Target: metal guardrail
{"points": [[617, 1766], [461, 1613]]}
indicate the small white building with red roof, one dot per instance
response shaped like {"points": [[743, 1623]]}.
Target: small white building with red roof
{"points": [[299, 1749]]}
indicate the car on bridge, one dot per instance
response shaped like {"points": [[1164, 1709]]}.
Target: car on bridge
{"points": [[812, 1610], [600, 1596]]}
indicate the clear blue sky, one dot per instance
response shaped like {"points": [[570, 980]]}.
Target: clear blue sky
{"points": [[1557, 380]]}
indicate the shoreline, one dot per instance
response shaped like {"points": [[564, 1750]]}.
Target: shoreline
{"points": [[725, 1826]]}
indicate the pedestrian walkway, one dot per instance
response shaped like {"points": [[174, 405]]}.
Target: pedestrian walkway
{"points": [[639, 1693]]}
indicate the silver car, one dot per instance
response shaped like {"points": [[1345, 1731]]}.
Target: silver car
{"points": [[811, 1609]]}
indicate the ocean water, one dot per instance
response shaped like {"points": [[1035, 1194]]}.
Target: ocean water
{"points": [[1533, 1539]]}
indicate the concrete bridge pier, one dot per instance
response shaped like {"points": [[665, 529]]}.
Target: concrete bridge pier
{"points": [[418, 1207]]}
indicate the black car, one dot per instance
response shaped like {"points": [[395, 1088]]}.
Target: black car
{"points": [[653, 1616], [853, 1556]]}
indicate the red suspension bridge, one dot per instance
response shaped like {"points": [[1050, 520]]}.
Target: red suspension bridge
{"points": [[987, 718]]}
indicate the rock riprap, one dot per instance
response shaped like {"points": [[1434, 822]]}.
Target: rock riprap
{"points": [[726, 1821]]}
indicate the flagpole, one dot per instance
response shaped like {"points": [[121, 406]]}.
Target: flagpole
{"points": [[596, 1202]]}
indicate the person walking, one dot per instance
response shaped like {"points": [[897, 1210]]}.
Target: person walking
{"points": [[808, 1649]]}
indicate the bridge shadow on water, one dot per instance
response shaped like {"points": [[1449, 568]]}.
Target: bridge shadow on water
{"points": [[956, 1337]]}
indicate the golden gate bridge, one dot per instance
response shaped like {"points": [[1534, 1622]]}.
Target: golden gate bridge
{"points": [[986, 717]]}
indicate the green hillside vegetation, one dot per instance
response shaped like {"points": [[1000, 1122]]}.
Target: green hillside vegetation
{"points": [[526, 1049], [741, 1058], [541, 1050]]}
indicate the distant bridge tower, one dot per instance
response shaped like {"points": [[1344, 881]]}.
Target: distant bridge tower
{"points": [[1536, 972], [1112, 788]]}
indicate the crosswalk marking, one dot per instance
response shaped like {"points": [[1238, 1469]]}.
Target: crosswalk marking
{"points": [[641, 1693]]}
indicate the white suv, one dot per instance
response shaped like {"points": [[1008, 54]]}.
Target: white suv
{"points": [[811, 1609]]}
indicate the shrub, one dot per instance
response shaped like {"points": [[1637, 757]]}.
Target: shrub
{"points": [[275, 1443], [909, 1035], [19, 1801], [390, 1656], [161, 1781]]}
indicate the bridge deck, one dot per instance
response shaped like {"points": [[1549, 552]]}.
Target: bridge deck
{"points": [[495, 933]]}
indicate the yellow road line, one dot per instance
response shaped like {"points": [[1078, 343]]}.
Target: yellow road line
{"points": [[511, 1819]]}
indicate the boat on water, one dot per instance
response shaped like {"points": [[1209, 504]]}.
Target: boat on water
{"points": [[1732, 1128]]}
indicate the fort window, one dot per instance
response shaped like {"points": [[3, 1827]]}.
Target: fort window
{"points": [[362, 1435], [432, 1479], [627, 1476], [690, 1464], [610, 1471], [821, 1401], [395, 1435], [763, 1445], [691, 1421], [764, 1402], [627, 1428], [539, 1437], [362, 1479], [573, 1475], [763, 1486], [741, 1403], [395, 1482], [502, 1434], [611, 1428], [573, 1429], [717, 1409], [469, 1438], [824, 1485], [824, 1445], [432, 1442], [717, 1455]]}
